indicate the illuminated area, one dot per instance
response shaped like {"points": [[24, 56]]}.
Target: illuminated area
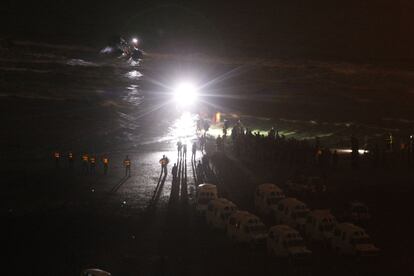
{"points": [[135, 40], [185, 94], [184, 128]]}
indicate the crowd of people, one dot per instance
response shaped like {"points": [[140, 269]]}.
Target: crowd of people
{"points": [[274, 149]]}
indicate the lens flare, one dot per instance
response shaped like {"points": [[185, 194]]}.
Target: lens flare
{"points": [[185, 94]]}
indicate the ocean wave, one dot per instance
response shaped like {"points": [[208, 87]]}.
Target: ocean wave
{"points": [[81, 62]]}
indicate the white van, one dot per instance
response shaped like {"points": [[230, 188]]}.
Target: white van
{"points": [[205, 193], [319, 226], [292, 212], [218, 212], [285, 242], [267, 195], [245, 227], [349, 239]]}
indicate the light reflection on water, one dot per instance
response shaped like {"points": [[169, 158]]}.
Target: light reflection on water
{"points": [[183, 129]]}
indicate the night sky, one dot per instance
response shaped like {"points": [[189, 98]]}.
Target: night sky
{"points": [[357, 29]]}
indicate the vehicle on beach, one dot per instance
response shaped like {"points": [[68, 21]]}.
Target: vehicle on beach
{"points": [[266, 196], [356, 212], [285, 242], [319, 226], [302, 186], [351, 240], [94, 272], [244, 227], [292, 212], [121, 48], [218, 212], [205, 193]]}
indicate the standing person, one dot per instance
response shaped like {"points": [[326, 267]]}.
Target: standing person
{"points": [[179, 147], [85, 163], [355, 152], [56, 156], [70, 160], [127, 165], [92, 162], [199, 171], [185, 150], [174, 172], [335, 159], [105, 161], [194, 150], [164, 162]]}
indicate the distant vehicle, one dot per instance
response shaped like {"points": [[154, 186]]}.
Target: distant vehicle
{"points": [[305, 186], [285, 242], [120, 48], [94, 272], [266, 196], [292, 212], [356, 212], [319, 226], [244, 227], [218, 212], [349, 239], [205, 193]]}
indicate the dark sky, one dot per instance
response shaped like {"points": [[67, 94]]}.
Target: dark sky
{"points": [[305, 28]]}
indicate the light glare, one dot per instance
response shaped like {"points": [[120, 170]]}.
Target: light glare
{"points": [[185, 94]]}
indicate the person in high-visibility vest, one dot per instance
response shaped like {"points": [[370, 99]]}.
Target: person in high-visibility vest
{"points": [[85, 163], [92, 162], [56, 156], [105, 161], [127, 165], [70, 160]]}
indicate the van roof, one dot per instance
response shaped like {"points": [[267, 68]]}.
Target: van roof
{"points": [[283, 229], [207, 186], [222, 202], [321, 213], [349, 227], [291, 202], [269, 187]]}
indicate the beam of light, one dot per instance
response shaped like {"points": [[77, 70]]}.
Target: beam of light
{"points": [[232, 73], [185, 94]]}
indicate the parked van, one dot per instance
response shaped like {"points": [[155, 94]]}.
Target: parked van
{"points": [[205, 193], [349, 239], [319, 225], [285, 242], [292, 212], [218, 212], [267, 195], [243, 226]]}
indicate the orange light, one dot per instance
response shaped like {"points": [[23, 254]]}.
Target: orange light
{"points": [[218, 117]]}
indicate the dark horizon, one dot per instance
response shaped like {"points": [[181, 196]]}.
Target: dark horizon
{"points": [[352, 30]]}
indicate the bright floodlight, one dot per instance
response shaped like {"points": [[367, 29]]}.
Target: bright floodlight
{"points": [[185, 94], [135, 40]]}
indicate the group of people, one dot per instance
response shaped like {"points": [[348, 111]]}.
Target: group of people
{"points": [[89, 162], [276, 149]]}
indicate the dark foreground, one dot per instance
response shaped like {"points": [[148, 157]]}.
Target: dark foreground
{"points": [[57, 221]]}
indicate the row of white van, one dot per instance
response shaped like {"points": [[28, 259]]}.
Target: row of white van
{"points": [[316, 225], [289, 214]]}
